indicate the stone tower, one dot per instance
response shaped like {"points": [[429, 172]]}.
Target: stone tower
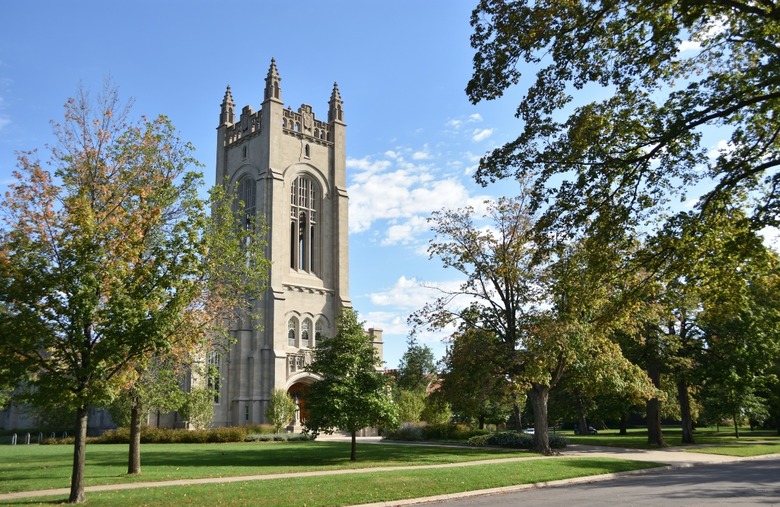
{"points": [[290, 167]]}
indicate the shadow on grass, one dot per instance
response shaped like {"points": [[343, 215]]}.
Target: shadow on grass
{"points": [[294, 455]]}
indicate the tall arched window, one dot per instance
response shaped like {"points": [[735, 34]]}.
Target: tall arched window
{"points": [[305, 331], [291, 331], [214, 362], [304, 233], [246, 195]]}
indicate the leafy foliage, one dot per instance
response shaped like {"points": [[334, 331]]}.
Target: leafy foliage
{"points": [[351, 392], [643, 143], [114, 259], [533, 312], [280, 410]]}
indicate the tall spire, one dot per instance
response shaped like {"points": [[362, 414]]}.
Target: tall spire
{"points": [[227, 114], [272, 80], [336, 109]]}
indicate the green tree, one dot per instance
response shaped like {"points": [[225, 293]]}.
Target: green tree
{"points": [[157, 386], [475, 385], [280, 410], [417, 367], [114, 259], [351, 392], [741, 328], [411, 405], [198, 407], [641, 144], [545, 306]]}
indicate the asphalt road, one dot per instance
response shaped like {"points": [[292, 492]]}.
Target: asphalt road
{"points": [[741, 483]]}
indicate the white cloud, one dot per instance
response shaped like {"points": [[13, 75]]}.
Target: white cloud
{"points": [[398, 195], [409, 293], [4, 121], [710, 31], [406, 232], [722, 148], [454, 124], [421, 155], [689, 45], [481, 134], [771, 237], [475, 118]]}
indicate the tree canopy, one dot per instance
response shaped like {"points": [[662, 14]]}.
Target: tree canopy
{"points": [[114, 258], [351, 392], [664, 72]]}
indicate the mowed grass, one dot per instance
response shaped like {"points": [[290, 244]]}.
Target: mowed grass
{"points": [[637, 437], [37, 467], [360, 487], [744, 449]]}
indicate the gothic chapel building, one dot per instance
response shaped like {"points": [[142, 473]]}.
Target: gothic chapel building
{"points": [[290, 167]]}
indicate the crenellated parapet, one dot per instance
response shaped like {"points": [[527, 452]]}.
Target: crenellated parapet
{"points": [[303, 124], [249, 125]]}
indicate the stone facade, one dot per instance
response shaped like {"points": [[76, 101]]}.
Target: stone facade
{"points": [[289, 166]]}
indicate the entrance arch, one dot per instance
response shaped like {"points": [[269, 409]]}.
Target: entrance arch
{"points": [[298, 392]]}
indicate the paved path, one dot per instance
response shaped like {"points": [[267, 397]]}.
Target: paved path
{"points": [[671, 456]]}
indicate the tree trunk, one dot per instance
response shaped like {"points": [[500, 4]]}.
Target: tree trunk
{"points": [[683, 396], [623, 424], [134, 457], [518, 416], [353, 455], [736, 426], [481, 423], [539, 395], [79, 456], [581, 422], [655, 435]]}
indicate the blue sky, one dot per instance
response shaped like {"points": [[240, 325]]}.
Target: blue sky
{"points": [[413, 139]]}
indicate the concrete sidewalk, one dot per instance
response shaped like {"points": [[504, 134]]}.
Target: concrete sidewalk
{"points": [[673, 457]]}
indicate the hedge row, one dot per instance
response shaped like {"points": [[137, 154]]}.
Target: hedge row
{"points": [[278, 437], [424, 432], [150, 435], [514, 440]]}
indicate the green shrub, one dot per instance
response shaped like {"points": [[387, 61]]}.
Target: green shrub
{"points": [[175, 436], [447, 431], [514, 440], [406, 434], [278, 437]]}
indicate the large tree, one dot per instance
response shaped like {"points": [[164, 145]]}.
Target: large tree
{"points": [[545, 307], [476, 386], [114, 258], [626, 98], [351, 391]]}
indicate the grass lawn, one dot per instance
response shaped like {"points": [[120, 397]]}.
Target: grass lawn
{"points": [[35, 467], [637, 437], [361, 488], [743, 449]]}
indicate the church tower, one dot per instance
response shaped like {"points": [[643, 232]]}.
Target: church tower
{"points": [[290, 167]]}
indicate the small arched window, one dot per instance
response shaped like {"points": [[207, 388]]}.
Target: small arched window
{"points": [[307, 151], [305, 330], [317, 333], [243, 152], [292, 328]]}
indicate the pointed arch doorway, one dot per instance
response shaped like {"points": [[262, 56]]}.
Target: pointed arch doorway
{"points": [[298, 392]]}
